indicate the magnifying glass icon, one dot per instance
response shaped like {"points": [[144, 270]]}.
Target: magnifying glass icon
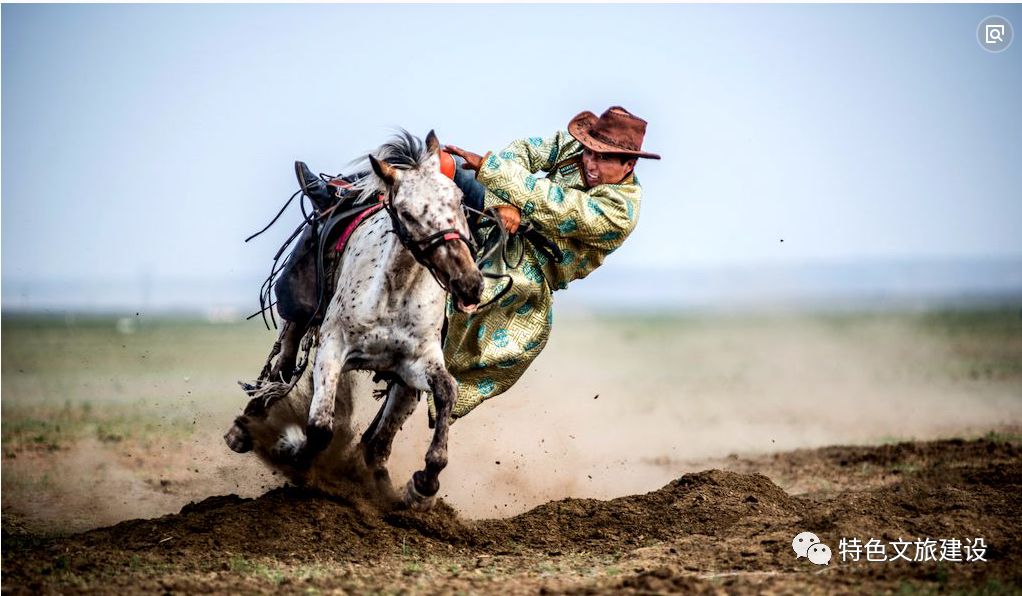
{"points": [[994, 34]]}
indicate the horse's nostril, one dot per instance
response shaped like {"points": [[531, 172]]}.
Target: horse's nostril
{"points": [[468, 288]]}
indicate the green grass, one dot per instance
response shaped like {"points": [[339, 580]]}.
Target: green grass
{"points": [[55, 360], [991, 587], [51, 428], [274, 573], [987, 342], [64, 379], [1004, 437], [67, 378]]}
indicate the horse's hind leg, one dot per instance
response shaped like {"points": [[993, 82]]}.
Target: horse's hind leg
{"points": [[422, 488], [379, 437]]}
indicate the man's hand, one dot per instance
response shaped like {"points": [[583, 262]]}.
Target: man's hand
{"points": [[473, 161], [510, 216]]}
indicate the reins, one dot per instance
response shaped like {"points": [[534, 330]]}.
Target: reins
{"points": [[266, 302], [421, 249], [502, 242]]}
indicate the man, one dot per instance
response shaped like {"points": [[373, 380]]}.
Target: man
{"points": [[587, 204]]}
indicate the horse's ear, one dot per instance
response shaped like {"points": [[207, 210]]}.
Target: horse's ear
{"points": [[432, 143], [384, 170]]}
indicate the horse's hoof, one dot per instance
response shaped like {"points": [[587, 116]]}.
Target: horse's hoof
{"points": [[238, 439], [413, 499], [299, 448], [318, 437], [384, 489]]}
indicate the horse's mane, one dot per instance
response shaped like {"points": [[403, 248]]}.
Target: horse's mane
{"points": [[404, 151]]}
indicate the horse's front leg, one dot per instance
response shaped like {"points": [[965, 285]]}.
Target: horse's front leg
{"points": [[377, 440], [319, 430], [420, 493]]}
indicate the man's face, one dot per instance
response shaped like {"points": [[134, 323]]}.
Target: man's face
{"points": [[604, 168]]}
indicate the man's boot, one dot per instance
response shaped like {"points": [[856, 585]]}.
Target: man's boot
{"points": [[313, 187]]}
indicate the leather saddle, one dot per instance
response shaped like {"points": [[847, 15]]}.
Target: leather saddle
{"points": [[303, 287]]}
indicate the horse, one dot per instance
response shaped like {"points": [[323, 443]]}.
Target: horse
{"points": [[385, 316]]}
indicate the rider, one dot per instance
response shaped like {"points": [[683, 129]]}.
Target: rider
{"points": [[587, 204]]}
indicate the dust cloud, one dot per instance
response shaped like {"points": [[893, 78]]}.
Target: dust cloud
{"points": [[611, 408]]}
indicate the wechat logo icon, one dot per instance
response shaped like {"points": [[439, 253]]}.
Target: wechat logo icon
{"points": [[808, 545]]}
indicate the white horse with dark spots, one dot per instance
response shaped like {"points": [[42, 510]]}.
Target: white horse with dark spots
{"points": [[385, 316]]}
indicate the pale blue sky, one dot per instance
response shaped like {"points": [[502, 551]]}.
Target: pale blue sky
{"points": [[157, 137]]}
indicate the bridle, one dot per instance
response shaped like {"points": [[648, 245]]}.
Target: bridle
{"points": [[422, 249]]}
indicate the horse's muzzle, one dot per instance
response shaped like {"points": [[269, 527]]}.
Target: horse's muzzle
{"points": [[467, 290]]}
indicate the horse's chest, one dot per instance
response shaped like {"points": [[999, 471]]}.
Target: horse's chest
{"points": [[400, 329]]}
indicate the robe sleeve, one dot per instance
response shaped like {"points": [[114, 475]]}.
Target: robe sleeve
{"points": [[599, 217]]}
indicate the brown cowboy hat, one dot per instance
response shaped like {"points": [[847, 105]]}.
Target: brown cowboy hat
{"points": [[616, 131]]}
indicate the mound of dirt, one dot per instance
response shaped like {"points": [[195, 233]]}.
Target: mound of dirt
{"points": [[715, 530], [304, 523], [706, 503]]}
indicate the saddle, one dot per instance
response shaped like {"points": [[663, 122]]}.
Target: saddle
{"points": [[304, 285]]}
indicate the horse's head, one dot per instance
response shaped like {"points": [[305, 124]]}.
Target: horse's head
{"points": [[427, 205]]}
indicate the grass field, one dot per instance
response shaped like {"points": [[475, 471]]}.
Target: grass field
{"points": [[104, 419]]}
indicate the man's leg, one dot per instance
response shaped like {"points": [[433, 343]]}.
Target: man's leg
{"points": [[290, 338], [297, 285], [473, 190]]}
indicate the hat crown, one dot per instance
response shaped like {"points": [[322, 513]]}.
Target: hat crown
{"points": [[616, 131], [617, 126]]}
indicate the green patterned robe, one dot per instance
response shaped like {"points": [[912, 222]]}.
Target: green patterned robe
{"points": [[490, 349]]}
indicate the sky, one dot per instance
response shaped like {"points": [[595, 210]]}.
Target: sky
{"points": [[150, 140]]}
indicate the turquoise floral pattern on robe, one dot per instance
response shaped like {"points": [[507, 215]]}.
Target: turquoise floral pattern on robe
{"points": [[587, 224]]}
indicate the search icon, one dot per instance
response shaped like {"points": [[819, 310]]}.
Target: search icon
{"points": [[995, 34]]}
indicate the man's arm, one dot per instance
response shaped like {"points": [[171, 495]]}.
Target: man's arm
{"points": [[533, 154], [601, 217]]}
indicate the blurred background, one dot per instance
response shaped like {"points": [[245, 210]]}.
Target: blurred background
{"points": [[812, 154], [828, 252]]}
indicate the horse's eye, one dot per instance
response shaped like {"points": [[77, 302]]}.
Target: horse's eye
{"points": [[405, 214]]}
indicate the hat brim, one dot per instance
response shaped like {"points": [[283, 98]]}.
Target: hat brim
{"points": [[579, 129]]}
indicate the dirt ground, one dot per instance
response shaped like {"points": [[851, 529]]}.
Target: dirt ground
{"points": [[724, 530], [682, 456]]}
